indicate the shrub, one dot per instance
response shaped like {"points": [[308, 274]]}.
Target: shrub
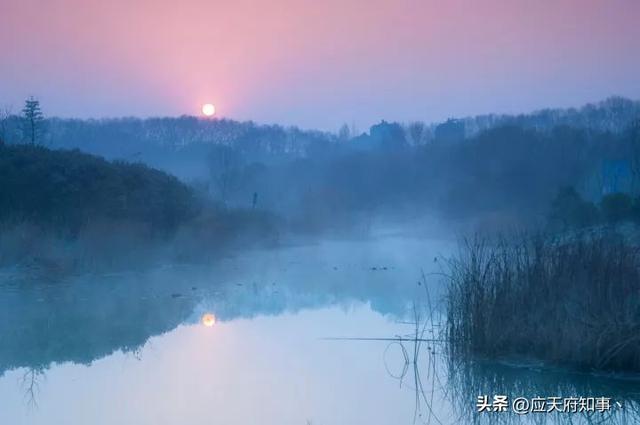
{"points": [[617, 207], [569, 210], [66, 190], [66, 210]]}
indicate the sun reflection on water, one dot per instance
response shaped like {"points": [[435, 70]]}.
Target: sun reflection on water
{"points": [[208, 320]]}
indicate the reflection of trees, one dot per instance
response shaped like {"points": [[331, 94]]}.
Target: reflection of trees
{"points": [[30, 383], [84, 320]]}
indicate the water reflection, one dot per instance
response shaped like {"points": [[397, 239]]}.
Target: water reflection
{"points": [[30, 384], [208, 320], [269, 361], [268, 369], [86, 318], [82, 320], [532, 393], [469, 379]]}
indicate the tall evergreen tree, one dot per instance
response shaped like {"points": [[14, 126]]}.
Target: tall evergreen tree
{"points": [[33, 118]]}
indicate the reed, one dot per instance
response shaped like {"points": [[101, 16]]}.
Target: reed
{"points": [[571, 301]]}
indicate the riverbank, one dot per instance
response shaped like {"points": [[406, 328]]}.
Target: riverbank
{"points": [[569, 301], [64, 211]]}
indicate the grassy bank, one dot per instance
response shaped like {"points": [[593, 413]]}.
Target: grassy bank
{"points": [[573, 301], [63, 211]]}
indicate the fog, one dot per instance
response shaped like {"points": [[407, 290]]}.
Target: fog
{"points": [[208, 265], [72, 350]]}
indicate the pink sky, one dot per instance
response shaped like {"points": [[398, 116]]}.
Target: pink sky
{"points": [[316, 63]]}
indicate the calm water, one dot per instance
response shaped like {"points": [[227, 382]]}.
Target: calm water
{"points": [[133, 348]]}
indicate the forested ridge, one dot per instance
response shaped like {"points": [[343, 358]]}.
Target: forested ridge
{"points": [[575, 167]]}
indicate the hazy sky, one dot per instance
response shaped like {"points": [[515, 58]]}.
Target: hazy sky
{"points": [[316, 63]]}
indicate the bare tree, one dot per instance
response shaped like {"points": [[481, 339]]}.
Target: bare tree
{"points": [[224, 168], [344, 133], [416, 132], [635, 155], [5, 114]]}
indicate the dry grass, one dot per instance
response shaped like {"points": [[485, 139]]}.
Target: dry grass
{"points": [[573, 301]]}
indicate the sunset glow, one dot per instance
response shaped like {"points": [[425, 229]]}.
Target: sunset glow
{"points": [[275, 61]]}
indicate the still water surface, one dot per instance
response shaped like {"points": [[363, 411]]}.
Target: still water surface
{"points": [[134, 348]]}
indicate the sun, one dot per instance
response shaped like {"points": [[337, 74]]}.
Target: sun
{"points": [[208, 109], [208, 320]]}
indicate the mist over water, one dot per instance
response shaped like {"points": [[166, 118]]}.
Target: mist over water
{"points": [[319, 213], [212, 270], [132, 347], [272, 307]]}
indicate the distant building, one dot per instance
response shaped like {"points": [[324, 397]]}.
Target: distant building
{"points": [[386, 136], [389, 136]]}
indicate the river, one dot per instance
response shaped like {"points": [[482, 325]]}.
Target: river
{"points": [[339, 332]]}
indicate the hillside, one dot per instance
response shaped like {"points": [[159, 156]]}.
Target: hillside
{"points": [[69, 189], [64, 210]]}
